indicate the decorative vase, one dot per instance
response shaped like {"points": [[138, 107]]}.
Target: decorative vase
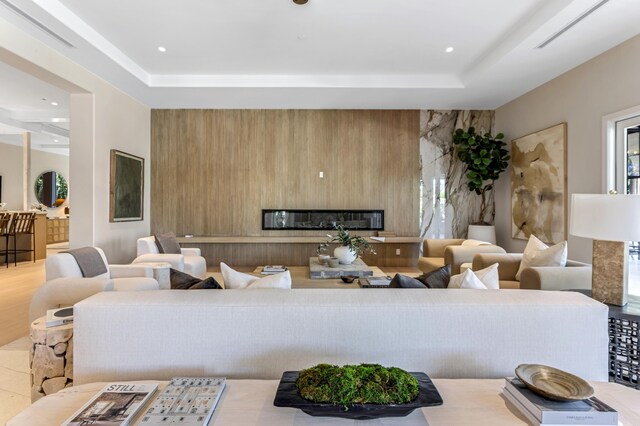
{"points": [[485, 233], [345, 255]]}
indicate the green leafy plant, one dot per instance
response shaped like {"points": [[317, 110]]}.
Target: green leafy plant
{"points": [[357, 384], [485, 158], [356, 243]]}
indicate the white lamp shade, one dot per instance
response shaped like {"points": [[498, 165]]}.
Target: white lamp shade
{"points": [[605, 217]]}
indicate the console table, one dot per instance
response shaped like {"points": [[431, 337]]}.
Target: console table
{"points": [[250, 403]]}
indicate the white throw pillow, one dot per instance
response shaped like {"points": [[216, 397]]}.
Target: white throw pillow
{"points": [[474, 243], [467, 279], [537, 253], [488, 277], [238, 280]]}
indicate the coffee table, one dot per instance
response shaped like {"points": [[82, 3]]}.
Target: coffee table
{"points": [[300, 278], [250, 403]]}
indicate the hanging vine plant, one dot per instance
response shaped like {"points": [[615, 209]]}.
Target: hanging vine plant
{"points": [[485, 158]]}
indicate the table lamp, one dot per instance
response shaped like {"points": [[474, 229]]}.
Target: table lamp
{"points": [[611, 220]]}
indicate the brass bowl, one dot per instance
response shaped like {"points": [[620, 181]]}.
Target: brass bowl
{"points": [[348, 279], [553, 383]]}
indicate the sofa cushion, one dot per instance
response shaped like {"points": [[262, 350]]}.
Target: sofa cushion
{"points": [[537, 253], [238, 280], [208, 283], [487, 276], [167, 243], [436, 279], [506, 284]]}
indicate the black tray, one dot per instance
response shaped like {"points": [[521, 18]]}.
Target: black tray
{"points": [[288, 396]]}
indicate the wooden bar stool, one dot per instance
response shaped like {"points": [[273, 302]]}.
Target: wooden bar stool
{"points": [[5, 220], [23, 224]]}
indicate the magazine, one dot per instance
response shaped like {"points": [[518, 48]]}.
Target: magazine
{"points": [[60, 316], [116, 405]]}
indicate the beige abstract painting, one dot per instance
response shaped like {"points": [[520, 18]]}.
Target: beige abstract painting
{"points": [[538, 185]]}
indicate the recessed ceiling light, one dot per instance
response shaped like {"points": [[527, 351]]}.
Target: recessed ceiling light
{"points": [[162, 49], [54, 103], [300, 1], [55, 140], [449, 49]]}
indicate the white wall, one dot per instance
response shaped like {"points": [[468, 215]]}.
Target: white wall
{"points": [[11, 172], [581, 97], [102, 118]]}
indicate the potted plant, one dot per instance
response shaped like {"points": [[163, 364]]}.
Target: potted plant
{"points": [[351, 246], [485, 158]]}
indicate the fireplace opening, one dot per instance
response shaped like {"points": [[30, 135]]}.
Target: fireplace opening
{"points": [[282, 219]]}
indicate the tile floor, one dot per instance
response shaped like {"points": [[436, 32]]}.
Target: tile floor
{"points": [[15, 394]]}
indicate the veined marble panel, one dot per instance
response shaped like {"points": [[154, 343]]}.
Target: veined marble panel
{"points": [[447, 206]]}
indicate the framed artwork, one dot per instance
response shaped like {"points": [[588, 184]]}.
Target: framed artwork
{"points": [[126, 189], [539, 185]]}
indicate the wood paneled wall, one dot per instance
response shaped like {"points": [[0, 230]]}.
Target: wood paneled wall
{"points": [[212, 171]]}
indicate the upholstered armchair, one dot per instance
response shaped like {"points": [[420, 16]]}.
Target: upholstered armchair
{"points": [[66, 286], [439, 252], [189, 261], [574, 276]]}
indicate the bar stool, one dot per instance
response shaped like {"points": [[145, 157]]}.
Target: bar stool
{"points": [[23, 224], [5, 220]]}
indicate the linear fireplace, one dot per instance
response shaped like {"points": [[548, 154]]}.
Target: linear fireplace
{"points": [[282, 219]]}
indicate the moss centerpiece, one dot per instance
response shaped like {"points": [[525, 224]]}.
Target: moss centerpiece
{"points": [[357, 384]]}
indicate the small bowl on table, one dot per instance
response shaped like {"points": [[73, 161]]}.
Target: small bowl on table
{"points": [[348, 279]]}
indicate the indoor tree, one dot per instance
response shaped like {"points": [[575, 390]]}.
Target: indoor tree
{"points": [[484, 157]]}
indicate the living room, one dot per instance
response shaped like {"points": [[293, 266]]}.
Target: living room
{"points": [[334, 113]]}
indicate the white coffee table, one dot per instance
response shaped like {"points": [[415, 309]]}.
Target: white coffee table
{"points": [[250, 403]]}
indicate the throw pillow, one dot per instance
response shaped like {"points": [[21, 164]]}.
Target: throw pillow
{"points": [[167, 243], [403, 281], [238, 280], [181, 281], [436, 279], [488, 277], [207, 284], [474, 243], [471, 281], [537, 253]]}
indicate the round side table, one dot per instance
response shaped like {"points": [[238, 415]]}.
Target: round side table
{"points": [[161, 273], [51, 358]]}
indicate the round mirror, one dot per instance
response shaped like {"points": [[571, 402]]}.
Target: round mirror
{"points": [[51, 189]]}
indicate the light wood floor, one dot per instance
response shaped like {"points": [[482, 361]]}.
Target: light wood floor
{"points": [[17, 285]]}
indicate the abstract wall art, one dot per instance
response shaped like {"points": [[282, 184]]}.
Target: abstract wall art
{"points": [[126, 187], [539, 185]]}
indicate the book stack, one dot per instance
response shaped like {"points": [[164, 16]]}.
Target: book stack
{"points": [[542, 411], [117, 404], [273, 269], [374, 282], [59, 316]]}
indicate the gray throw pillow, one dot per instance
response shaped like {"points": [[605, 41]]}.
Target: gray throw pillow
{"points": [[167, 243], [403, 281], [182, 281], [436, 279]]}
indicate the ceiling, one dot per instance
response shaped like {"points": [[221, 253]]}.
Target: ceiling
{"points": [[328, 53], [26, 106]]}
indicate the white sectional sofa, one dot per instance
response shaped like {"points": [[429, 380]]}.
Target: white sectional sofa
{"points": [[261, 333]]}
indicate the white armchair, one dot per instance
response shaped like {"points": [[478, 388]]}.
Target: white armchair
{"points": [[66, 286], [189, 261]]}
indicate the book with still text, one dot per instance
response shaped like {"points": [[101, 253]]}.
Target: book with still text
{"points": [[590, 411], [59, 316], [116, 405]]}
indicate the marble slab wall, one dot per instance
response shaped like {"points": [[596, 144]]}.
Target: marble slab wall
{"points": [[447, 206]]}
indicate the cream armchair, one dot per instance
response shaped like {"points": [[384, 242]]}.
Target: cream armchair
{"points": [[189, 261], [574, 276], [439, 252], [66, 286]]}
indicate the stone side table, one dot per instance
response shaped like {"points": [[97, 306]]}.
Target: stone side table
{"points": [[161, 273], [51, 358]]}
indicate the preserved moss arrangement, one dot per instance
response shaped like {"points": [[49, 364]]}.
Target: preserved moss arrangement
{"points": [[357, 384]]}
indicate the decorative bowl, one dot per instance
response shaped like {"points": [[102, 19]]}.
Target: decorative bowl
{"points": [[553, 383], [287, 396], [348, 279]]}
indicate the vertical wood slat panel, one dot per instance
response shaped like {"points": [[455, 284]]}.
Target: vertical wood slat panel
{"points": [[214, 170]]}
